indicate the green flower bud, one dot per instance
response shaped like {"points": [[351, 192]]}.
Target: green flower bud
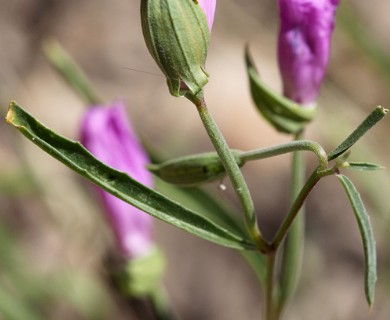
{"points": [[193, 170], [177, 35]]}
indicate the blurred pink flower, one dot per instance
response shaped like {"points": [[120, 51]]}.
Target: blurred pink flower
{"points": [[108, 135], [208, 7], [304, 44]]}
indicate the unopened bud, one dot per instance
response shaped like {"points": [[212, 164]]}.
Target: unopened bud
{"points": [[177, 35], [192, 170]]}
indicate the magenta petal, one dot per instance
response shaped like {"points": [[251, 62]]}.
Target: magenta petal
{"points": [[108, 135], [304, 44], [208, 7]]}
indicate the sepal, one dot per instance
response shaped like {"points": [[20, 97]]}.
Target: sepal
{"points": [[283, 114], [142, 276]]}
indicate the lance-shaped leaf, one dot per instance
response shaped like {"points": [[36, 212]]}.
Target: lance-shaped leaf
{"points": [[76, 157], [367, 234], [373, 118]]}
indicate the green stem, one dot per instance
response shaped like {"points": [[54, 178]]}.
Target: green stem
{"points": [[301, 145], [293, 246], [309, 185], [235, 175], [269, 286]]}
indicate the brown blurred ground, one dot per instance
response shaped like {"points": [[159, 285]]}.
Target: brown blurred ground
{"points": [[57, 226]]}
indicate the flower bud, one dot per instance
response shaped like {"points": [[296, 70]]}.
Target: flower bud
{"points": [[304, 43], [107, 134], [177, 35], [192, 170]]}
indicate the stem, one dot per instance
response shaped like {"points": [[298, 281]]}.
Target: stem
{"points": [[293, 246], [309, 185], [301, 145], [235, 175], [269, 286]]}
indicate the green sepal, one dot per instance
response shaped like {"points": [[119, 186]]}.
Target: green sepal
{"points": [[142, 276], [362, 166], [192, 170], [285, 115], [177, 36], [367, 235], [119, 184]]}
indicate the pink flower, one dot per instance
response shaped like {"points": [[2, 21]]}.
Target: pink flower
{"points": [[304, 43], [108, 135], [208, 7]]}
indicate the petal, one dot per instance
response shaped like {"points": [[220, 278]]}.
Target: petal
{"points": [[304, 44], [109, 136], [208, 7]]}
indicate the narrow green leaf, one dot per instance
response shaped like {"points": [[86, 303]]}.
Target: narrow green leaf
{"points": [[373, 118], [367, 235], [69, 70], [362, 166], [76, 157]]}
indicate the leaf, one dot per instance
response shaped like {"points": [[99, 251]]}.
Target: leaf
{"points": [[285, 115], [60, 59], [362, 166], [367, 235], [76, 157], [200, 201], [373, 118]]}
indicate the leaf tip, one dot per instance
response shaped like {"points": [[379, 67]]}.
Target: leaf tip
{"points": [[11, 112], [370, 301]]}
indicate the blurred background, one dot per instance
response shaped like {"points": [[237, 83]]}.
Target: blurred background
{"points": [[53, 238]]}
